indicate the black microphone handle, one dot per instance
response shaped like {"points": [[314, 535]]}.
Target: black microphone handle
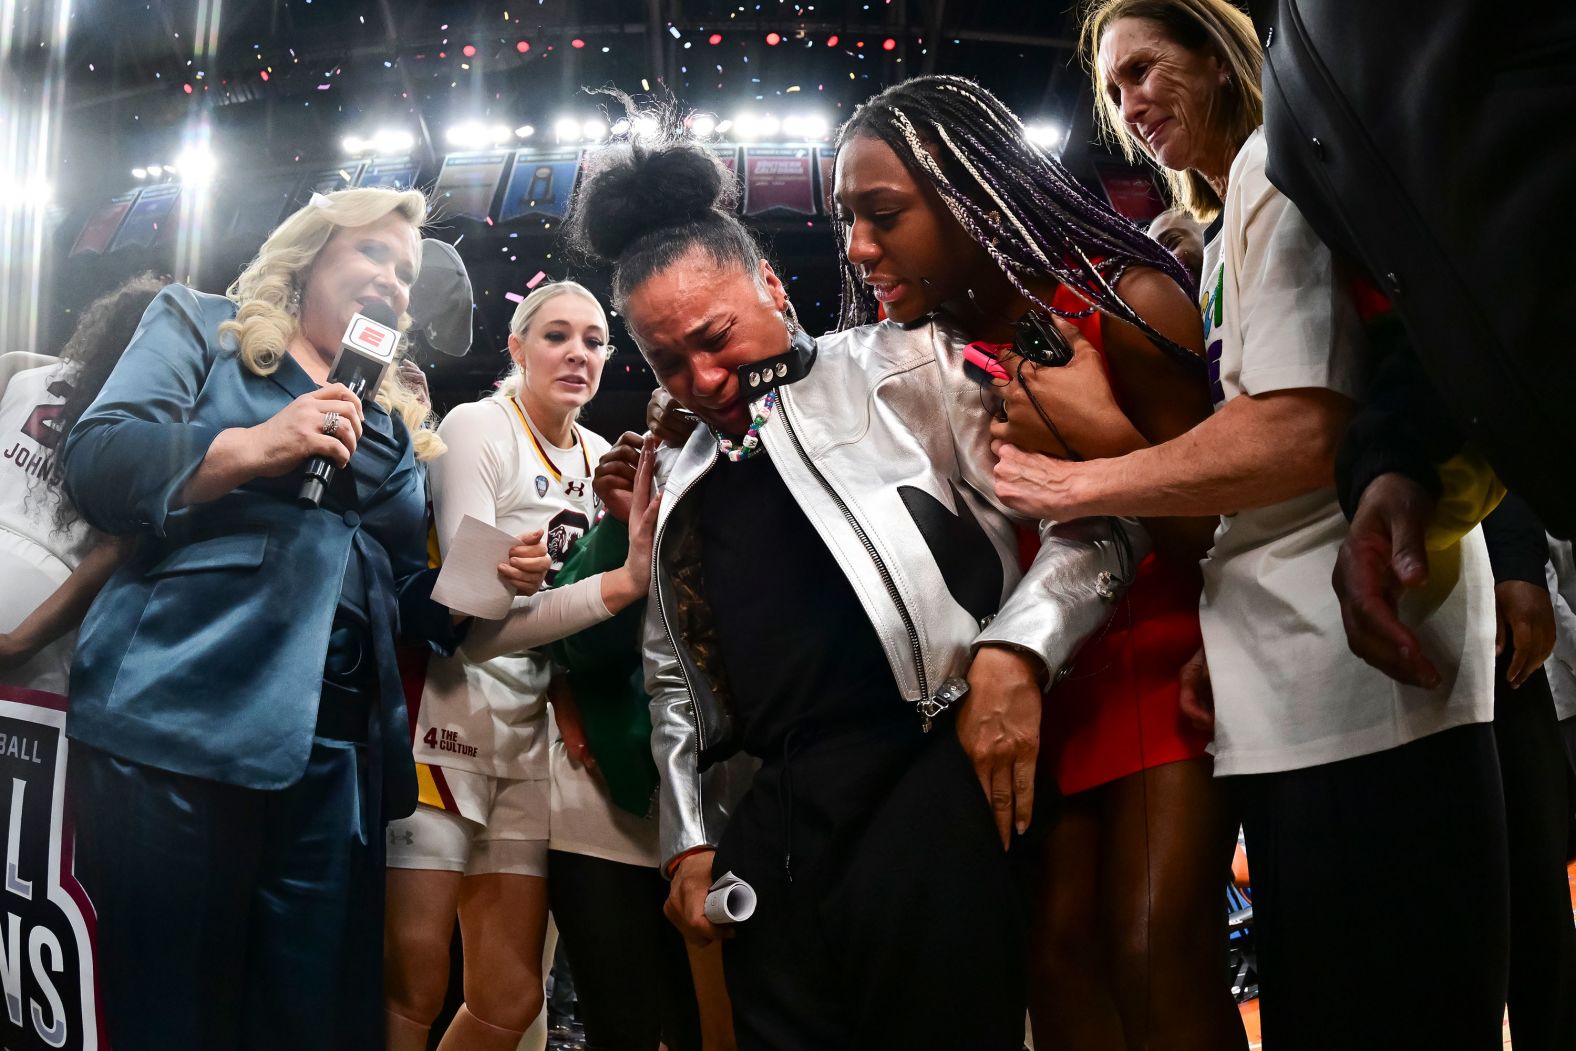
{"points": [[358, 373], [320, 470]]}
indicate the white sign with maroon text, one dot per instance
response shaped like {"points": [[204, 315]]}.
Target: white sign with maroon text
{"points": [[46, 941]]}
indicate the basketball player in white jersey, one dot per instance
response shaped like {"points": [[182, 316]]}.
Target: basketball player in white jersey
{"points": [[477, 844]]}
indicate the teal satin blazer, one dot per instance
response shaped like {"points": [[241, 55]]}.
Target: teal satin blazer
{"points": [[204, 653]]}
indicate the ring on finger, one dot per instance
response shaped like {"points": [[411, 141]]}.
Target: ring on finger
{"points": [[331, 423]]}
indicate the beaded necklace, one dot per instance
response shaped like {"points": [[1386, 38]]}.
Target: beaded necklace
{"points": [[750, 444]]}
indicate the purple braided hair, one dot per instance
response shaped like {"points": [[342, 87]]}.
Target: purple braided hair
{"points": [[1012, 198]]}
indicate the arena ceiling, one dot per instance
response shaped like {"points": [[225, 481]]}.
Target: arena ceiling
{"points": [[282, 77], [265, 84]]}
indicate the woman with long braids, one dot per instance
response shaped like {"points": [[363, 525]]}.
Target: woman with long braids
{"points": [[827, 552], [945, 207]]}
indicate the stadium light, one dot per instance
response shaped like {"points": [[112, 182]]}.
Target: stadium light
{"points": [[27, 193], [474, 135], [567, 129], [392, 140], [469, 135], [1045, 134], [197, 165], [811, 126]]}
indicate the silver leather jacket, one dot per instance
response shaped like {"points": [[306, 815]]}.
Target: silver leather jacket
{"points": [[885, 445]]}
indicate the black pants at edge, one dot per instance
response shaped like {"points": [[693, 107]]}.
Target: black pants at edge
{"points": [[1380, 900], [631, 973], [1536, 776]]}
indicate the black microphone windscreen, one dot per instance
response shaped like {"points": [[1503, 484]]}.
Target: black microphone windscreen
{"points": [[382, 313]]}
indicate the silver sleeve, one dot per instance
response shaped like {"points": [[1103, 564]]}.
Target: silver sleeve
{"points": [[1070, 590], [693, 806], [1082, 568]]}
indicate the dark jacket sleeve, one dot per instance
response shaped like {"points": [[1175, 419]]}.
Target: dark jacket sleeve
{"points": [[1402, 427], [133, 450], [1518, 548], [421, 620]]}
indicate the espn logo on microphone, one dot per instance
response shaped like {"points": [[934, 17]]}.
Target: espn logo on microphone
{"points": [[371, 338]]}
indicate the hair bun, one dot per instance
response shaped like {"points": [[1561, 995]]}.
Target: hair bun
{"points": [[633, 189]]}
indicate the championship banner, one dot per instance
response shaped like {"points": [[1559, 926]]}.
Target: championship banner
{"points": [[46, 942], [151, 212], [826, 164], [327, 180], [777, 178], [467, 183], [1131, 191], [99, 230], [396, 173], [540, 183], [729, 156]]}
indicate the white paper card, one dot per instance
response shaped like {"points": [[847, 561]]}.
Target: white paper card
{"points": [[469, 581]]}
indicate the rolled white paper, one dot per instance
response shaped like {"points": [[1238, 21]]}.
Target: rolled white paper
{"points": [[731, 900]]}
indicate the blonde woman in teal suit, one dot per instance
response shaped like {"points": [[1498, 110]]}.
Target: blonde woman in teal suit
{"points": [[239, 736]]}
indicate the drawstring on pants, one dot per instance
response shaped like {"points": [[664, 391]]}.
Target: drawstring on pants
{"points": [[785, 799]]}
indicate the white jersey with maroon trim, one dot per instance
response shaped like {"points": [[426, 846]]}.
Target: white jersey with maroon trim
{"points": [[490, 717]]}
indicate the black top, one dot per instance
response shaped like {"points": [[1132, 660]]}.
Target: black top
{"points": [[812, 693], [795, 643]]}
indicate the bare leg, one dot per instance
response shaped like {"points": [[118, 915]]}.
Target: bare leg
{"points": [[1071, 1006], [1167, 845], [535, 1038], [418, 925], [503, 923]]}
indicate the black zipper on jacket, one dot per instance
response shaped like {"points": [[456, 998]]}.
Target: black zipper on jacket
{"points": [[870, 549]]}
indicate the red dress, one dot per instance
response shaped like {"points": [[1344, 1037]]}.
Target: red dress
{"points": [[1117, 712]]}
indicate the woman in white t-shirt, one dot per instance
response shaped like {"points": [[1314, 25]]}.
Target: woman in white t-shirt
{"points": [[477, 844], [52, 562], [1372, 810]]}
